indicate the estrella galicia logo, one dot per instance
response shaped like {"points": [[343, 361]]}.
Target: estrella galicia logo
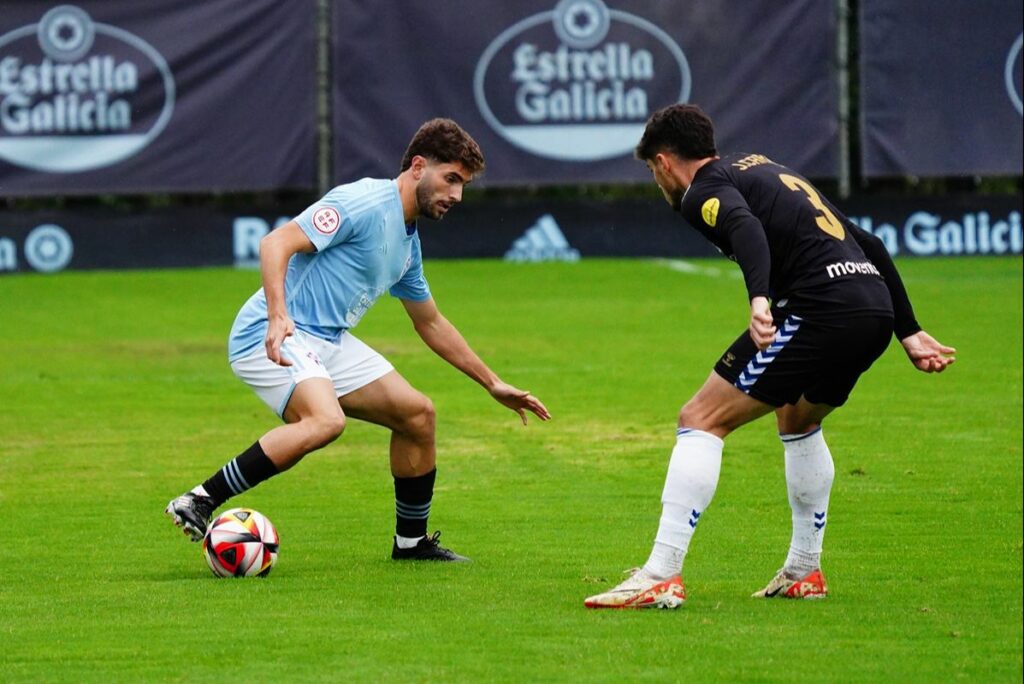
{"points": [[578, 83], [1013, 74], [76, 94], [48, 248]]}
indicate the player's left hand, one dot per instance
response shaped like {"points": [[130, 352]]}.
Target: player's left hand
{"points": [[519, 401], [926, 353]]}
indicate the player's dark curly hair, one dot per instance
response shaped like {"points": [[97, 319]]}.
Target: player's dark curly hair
{"points": [[682, 129], [444, 141]]}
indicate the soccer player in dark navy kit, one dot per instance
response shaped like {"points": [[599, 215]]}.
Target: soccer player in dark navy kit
{"points": [[825, 298]]}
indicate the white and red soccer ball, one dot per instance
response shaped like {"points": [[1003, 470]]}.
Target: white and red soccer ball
{"points": [[241, 543]]}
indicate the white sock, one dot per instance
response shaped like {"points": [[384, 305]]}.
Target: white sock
{"points": [[689, 486], [406, 542], [809, 475]]}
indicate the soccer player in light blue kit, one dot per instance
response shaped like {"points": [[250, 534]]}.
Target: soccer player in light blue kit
{"points": [[292, 342]]}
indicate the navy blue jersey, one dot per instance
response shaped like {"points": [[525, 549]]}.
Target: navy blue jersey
{"points": [[792, 244]]}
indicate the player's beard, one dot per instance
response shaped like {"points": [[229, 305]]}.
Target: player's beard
{"points": [[674, 197], [427, 206]]}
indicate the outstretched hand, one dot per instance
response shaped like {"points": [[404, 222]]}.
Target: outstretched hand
{"points": [[519, 401], [926, 353]]}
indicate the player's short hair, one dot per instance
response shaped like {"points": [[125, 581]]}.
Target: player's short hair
{"points": [[682, 129], [444, 141]]}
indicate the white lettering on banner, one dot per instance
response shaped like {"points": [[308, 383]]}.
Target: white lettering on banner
{"points": [[99, 99], [8, 255], [246, 233], [537, 102], [615, 62], [595, 88], [64, 114], [97, 74], [570, 94], [886, 232], [927, 234], [919, 232]]}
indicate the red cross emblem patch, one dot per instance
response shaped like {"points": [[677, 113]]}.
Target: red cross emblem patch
{"points": [[326, 220]]}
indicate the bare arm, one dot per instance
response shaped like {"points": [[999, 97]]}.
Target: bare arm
{"points": [[447, 342], [276, 249]]}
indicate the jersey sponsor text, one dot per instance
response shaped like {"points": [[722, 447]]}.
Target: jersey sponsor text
{"points": [[841, 268]]}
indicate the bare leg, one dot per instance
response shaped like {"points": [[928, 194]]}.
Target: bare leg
{"points": [[719, 408], [801, 417], [313, 420], [393, 403]]}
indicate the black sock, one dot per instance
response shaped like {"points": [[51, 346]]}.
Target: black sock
{"points": [[412, 504], [243, 472]]}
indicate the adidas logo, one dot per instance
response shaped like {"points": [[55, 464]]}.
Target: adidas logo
{"points": [[543, 241]]}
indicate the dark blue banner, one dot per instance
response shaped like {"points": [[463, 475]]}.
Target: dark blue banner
{"points": [[559, 91], [513, 230], [159, 96], [940, 87]]}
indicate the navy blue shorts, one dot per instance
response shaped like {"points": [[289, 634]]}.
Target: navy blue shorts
{"points": [[820, 360]]}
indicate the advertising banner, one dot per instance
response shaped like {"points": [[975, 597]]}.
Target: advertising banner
{"points": [[940, 88], [161, 96], [516, 231], [558, 91]]}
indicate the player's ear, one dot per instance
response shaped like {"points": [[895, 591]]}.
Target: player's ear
{"points": [[418, 166], [662, 161]]}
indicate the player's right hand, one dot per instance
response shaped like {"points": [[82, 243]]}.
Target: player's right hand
{"points": [[762, 325], [278, 328]]}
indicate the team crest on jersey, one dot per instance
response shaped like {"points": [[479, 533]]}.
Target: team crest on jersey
{"points": [[709, 211], [326, 220]]}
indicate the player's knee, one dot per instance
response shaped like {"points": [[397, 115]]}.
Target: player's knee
{"points": [[323, 429], [424, 417], [797, 426], [692, 415], [419, 419]]}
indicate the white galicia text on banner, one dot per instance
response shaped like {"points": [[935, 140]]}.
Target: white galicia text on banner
{"points": [[579, 82], [926, 234], [77, 94]]}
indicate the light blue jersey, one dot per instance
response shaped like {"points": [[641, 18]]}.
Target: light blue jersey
{"points": [[363, 249]]}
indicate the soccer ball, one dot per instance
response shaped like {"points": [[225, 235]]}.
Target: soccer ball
{"points": [[241, 543]]}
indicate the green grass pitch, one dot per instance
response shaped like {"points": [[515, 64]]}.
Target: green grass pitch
{"points": [[115, 396]]}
